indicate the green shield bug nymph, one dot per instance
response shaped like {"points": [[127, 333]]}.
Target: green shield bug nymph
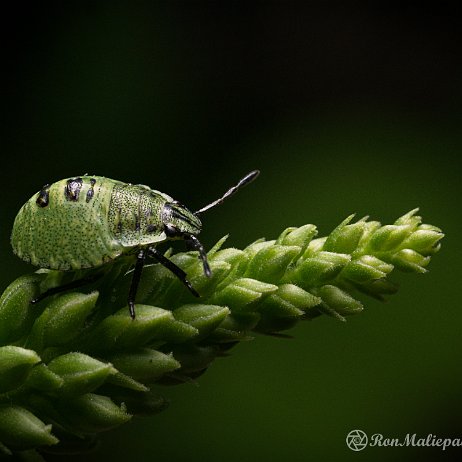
{"points": [[87, 221]]}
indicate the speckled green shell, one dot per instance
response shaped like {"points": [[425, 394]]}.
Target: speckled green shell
{"points": [[86, 221]]}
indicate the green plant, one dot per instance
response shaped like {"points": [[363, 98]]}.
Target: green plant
{"points": [[76, 364]]}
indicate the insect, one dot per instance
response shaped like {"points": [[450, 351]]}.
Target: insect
{"points": [[87, 221]]}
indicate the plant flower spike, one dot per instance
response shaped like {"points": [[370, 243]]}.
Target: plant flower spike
{"points": [[86, 340]]}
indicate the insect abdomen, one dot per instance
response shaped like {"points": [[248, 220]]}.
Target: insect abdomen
{"points": [[65, 225]]}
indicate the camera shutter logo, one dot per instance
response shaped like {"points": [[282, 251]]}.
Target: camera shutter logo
{"points": [[356, 440]]}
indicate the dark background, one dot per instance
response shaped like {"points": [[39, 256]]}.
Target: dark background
{"points": [[343, 110]]}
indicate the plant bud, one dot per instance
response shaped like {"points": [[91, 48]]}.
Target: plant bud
{"points": [[194, 358], [321, 268], [270, 263], [205, 318], [230, 255], [242, 293], [377, 288], [300, 237], [81, 373], [345, 238], [21, 430], [366, 268], [119, 332], [145, 365], [282, 309], [62, 320], [141, 404], [16, 311], [424, 240], [206, 285], [15, 365], [410, 219], [388, 237], [42, 378], [125, 381], [288, 301], [339, 300], [234, 328], [409, 260], [91, 413], [315, 246]]}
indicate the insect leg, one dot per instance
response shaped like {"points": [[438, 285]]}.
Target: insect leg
{"points": [[194, 243], [176, 270], [71, 285], [140, 259]]}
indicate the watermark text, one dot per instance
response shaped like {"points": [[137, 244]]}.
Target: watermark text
{"points": [[357, 440]]}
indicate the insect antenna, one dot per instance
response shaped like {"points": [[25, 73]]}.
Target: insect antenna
{"points": [[244, 181]]}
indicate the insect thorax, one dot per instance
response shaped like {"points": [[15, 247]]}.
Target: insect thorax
{"points": [[134, 216]]}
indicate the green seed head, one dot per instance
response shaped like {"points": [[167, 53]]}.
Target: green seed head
{"points": [[76, 364]]}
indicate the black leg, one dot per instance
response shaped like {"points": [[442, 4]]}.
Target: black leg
{"points": [[135, 282], [177, 271], [194, 243], [71, 285]]}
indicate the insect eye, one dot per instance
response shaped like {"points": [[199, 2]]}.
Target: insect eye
{"points": [[171, 230]]}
